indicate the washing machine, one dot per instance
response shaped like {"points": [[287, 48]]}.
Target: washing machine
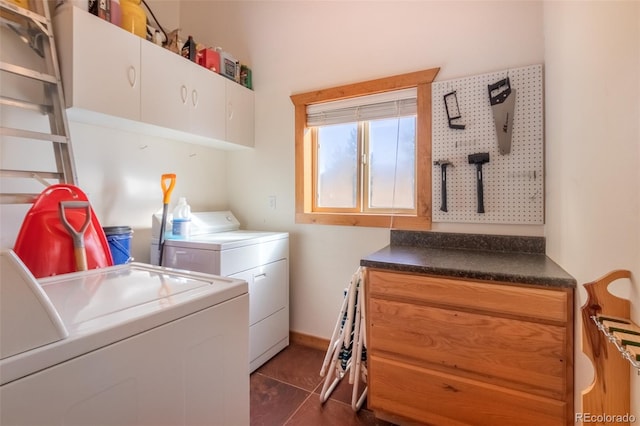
{"points": [[217, 245], [131, 344]]}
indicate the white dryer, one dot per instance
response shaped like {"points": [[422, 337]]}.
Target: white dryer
{"points": [[125, 345], [217, 246]]}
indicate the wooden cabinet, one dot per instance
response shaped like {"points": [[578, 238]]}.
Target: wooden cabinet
{"points": [[455, 352], [108, 72]]}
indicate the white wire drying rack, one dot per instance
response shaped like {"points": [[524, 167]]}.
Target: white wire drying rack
{"points": [[348, 338]]}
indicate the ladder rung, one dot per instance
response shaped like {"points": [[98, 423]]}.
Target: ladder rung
{"points": [[19, 103], [21, 198], [26, 72], [33, 27], [28, 134], [34, 174], [14, 8]]}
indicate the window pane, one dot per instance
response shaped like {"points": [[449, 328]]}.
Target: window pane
{"points": [[337, 166], [389, 139]]}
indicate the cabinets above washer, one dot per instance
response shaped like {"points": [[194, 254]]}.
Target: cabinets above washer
{"points": [[177, 94], [110, 73], [100, 66]]}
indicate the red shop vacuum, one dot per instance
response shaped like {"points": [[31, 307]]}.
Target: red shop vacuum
{"points": [[61, 234]]}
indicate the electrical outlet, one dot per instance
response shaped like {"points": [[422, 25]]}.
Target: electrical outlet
{"points": [[272, 202]]}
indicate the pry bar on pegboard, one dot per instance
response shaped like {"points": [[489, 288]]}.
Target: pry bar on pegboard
{"points": [[443, 191], [453, 110], [503, 104]]}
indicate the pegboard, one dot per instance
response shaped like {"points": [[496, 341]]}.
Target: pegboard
{"points": [[513, 183]]}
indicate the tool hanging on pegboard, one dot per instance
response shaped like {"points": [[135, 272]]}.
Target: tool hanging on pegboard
{"points": [[453, 110], [503, 103], [478, 160], [443, 190]]}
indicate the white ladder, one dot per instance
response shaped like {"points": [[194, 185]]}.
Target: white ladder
{"points": [[35, 88]]}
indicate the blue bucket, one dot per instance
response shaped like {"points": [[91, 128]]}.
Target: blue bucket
{"points": [[119, 239]]}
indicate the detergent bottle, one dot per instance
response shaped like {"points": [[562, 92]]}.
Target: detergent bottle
{"points": [[182, 219]]}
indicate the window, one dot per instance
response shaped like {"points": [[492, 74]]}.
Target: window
{"points": [[363, 153]]}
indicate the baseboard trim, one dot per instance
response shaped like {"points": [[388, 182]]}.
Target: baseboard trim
{"points": [[308, 340]]}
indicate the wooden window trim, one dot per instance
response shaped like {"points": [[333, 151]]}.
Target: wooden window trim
{"points": [[421, 80]]}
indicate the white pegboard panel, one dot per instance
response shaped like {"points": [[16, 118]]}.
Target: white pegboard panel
{"points": [[513, 183]]}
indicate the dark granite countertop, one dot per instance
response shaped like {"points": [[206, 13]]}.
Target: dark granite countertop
{"points": [[511, 259]]}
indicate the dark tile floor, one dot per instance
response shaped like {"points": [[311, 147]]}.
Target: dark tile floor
{"points": [[286, 391]]}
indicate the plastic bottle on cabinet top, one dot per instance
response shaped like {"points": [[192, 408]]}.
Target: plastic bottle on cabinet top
{"points": [[182, 218], [116, 13]]}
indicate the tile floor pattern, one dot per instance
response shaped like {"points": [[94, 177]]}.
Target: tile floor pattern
{"points": [[286, 391]]}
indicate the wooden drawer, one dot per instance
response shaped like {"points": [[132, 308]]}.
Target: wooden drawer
{"points": [[512, 300], [437, 398], [523, 355]]}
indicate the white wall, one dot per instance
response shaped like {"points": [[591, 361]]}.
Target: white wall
{"points": [[120, 172], [592, 57], [299, 46]]}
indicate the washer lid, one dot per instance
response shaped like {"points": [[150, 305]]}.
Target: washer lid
{"points": [[103, 306], [226, 240], [86, 299]]}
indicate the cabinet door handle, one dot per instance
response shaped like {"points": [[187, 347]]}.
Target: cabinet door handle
{"points": [[259, 276], [230, 110], [194, 98], [183, 93], [132, 76]]}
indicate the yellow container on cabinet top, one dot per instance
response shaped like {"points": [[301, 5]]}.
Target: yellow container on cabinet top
{"points": [[21, 3], [134, 19]]}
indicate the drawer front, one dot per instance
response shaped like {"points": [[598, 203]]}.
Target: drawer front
{"points": [[523, 355], [241, 259], [267, 333], [268, 289], [436, 398], [541, 303]]}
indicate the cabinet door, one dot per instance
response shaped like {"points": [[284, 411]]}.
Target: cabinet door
{"points": [[165, 88], [207, 103], [240, 115], [100, 64]]}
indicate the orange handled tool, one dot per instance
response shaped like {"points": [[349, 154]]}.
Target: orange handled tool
{"points": [[166, 193]]}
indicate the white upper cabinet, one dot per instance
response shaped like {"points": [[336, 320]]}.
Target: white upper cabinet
{"points": [[207, 103], [108, 72], [240, 114], [181, 95], [100, 67]]}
